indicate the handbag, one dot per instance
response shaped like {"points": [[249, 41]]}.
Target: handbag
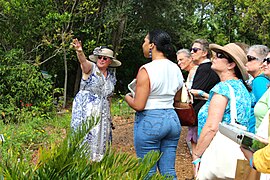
{"points": [[244, 171], [220, 158], [185, 110]]}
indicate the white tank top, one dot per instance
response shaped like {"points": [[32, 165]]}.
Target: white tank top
{"points": [[165, 80]]}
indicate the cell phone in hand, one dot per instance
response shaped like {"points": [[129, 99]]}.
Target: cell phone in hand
{"points": [[252, 144]]}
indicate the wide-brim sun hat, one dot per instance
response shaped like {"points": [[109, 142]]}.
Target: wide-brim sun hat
{"points": [[236, 53], [103, 51]]}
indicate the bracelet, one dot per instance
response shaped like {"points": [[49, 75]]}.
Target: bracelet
{"points": [[251, 163], [195, 162], [200, 93]]}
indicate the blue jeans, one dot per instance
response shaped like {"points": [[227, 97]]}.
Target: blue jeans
{"points": [[158, 130]]}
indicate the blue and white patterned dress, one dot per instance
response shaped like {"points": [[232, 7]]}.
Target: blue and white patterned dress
{"points": [[92, 103]]}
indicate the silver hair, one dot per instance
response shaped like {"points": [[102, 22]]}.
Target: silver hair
{"points": [[185, 51], [261, 50]]}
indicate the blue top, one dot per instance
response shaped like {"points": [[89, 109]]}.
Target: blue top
{"points": [[260, 85], [243, 103]]}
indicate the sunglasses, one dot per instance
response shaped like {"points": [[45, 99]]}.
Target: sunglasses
{"points": [[103, 57], [251, 58], [267, 60], [221, 55], [195, 49]]}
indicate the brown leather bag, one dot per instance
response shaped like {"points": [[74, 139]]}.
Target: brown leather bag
{"points": [[186, 114], [185, 110]]}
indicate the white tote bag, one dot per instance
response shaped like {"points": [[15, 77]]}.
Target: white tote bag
{"points": [[220, 158]]}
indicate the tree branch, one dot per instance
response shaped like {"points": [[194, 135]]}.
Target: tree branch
{"points": [[54, 54]]}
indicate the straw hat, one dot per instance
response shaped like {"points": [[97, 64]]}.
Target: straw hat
{"points": [[236, 53], [103, 51]]}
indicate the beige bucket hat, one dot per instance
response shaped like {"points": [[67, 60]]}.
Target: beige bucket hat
{"points": [[103, 51], [236, 53]]}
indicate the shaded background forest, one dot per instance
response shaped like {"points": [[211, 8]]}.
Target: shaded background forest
{"points": [[37, 34]]}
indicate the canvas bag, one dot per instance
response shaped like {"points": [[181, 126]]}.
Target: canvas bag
{"points": [[184, 109], [245, 172], [220, 158]]}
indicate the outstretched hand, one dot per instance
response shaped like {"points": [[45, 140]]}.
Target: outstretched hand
{"points": [[77, 45]]}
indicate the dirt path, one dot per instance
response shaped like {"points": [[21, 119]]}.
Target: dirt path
{"points": [[123, 139]]}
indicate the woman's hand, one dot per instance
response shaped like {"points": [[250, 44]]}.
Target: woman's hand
{"points": [[77, 45], [196, 165], [248, 154], [199, 94]]}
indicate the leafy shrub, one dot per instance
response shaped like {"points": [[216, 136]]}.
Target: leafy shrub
{"points": [[68, 160], [24, 93]]}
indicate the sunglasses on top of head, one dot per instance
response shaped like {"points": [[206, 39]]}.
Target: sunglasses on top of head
{"points": [[251, 58], [267, 60], [195, 49], [103, 57]]}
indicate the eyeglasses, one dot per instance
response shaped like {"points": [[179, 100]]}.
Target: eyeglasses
{"points": [[195, 49], [251, 58], [221, 55], [267, 60], [103, 57]]}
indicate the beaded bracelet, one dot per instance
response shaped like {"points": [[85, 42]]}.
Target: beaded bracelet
{"points": [[195, 162], [251, 163], [200, 93]]}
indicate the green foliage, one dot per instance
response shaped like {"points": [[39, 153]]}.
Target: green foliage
{"points": [[122, 25], [24, 93], [27, 136], [69, 160], [119, 107]]}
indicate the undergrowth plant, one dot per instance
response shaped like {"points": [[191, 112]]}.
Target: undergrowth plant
{"points": [[28, 136], [119, 107], [69, 160], [24, 92]]}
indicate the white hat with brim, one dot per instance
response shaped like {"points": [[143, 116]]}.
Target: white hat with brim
{"points": [[101, 51], [236, 53]]}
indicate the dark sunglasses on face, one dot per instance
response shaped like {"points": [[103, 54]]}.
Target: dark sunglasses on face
{"points": [[103, 57], [251, 58], [267, 60], [222, 55], [195, 49]]}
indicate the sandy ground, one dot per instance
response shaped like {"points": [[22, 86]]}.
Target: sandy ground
{"points": [[123, 140]]}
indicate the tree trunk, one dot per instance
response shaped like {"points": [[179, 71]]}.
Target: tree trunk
{"points": [[77, 80], [66, 75]]}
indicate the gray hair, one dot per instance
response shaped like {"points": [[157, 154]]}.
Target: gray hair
{"points": [[261, 50], [185, 51]]}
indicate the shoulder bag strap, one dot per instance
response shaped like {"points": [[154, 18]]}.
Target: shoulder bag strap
{"points": [[232, 105], [233, 109]]}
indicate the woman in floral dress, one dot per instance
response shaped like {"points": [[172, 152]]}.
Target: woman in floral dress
{"points": [[92, 102]]}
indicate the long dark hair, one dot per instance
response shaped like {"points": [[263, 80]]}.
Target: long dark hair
{"points": [[163, 42]]}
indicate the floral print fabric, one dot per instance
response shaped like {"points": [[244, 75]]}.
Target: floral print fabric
{"points": [[243, 103], [92, 103]]}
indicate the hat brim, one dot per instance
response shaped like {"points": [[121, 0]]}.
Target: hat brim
{"points": [[115, 62], [237, 55]]}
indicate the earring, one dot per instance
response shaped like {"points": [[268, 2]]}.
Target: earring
{"points": [[150, 53]]}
